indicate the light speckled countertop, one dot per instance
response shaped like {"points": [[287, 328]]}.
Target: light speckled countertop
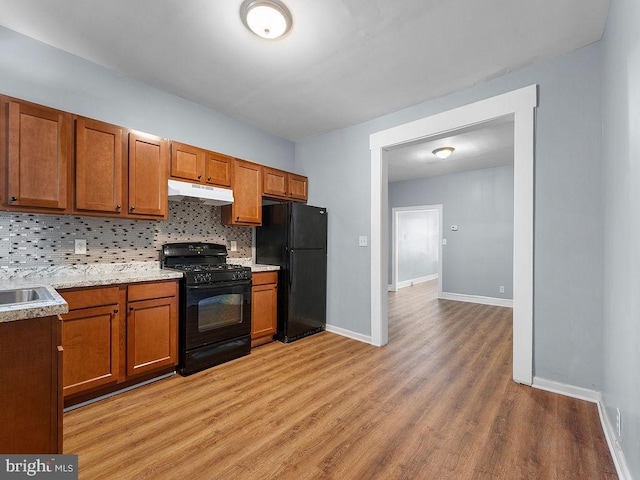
{"points": [[76, 276]]}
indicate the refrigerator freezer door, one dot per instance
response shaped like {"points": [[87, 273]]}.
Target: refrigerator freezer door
{"points": [[308, 228], [306, 285]]}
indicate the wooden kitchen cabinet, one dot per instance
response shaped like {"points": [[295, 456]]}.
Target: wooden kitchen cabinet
{"points": [[91, 339], [152, 326], [218, 169], [264, 305], [107, 349], [148, 175], [187, 162], [246, 208], [31, 393], [100, 157], [281, 185], [39, 150]]}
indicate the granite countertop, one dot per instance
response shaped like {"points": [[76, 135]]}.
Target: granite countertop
{"points": [[76, 276], [72, 276]]}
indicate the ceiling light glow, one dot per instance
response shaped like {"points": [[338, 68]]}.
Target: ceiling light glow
{"points": [[443, 152], [268, 19]]}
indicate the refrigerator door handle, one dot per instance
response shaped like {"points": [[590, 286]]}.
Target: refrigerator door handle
{"points": [[290, 269]]}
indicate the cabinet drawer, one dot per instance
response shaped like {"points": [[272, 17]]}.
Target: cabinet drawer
{"points": [[148, 291], [264, 278], [91, 297]]}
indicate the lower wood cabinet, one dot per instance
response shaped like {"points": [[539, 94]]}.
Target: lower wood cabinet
{"points": [[91, 339], [152, 327], [112, 335], [264, 304], [31, 387]]}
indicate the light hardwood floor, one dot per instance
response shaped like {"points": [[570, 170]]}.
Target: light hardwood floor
{"points": [[436, 403]]}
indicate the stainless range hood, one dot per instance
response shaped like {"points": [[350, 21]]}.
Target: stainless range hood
{"points": [[208, 195]]}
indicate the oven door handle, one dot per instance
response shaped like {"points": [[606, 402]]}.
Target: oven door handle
{"points": [[218, 285]]}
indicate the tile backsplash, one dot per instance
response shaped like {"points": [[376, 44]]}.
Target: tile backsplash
{"points": [[40, 240]]}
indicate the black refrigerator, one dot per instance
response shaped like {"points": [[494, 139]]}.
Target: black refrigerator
{"points": [[294, 237]]}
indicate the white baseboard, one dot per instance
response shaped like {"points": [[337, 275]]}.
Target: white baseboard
{"points": [[348, 333], [593, 396], [460, 297], [580, 393], [615, 448], [412, 282]]}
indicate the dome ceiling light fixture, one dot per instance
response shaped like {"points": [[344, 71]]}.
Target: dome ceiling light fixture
{"points": [[268, 19], [443, 152]]}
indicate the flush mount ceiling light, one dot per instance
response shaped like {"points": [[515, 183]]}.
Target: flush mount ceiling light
{"points": [[266, 18], [443, 152]]}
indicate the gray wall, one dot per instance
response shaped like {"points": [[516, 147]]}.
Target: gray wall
{"points": [[33, 71], [417, 244], [621, 333], [568, 210], [478, 258]]}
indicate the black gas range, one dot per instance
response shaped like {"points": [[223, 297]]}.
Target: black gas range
{"points": [[215, 305]]}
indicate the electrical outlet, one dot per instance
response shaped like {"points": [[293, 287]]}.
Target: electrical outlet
{"points": [[363, 241], [501, 288], [80, 246], [619, 422]]}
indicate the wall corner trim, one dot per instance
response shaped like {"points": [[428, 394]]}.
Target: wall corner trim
{"points": [[592, 396]]}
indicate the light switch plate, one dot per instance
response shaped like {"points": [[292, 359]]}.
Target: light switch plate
{"points": [[80, 246], [234, 246]]}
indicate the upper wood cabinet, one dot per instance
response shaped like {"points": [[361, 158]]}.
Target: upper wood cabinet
{"points": [[246, 208], [298, 187], [218, 169], [187, 162], [281, 185], [39, 146], [148, 175], [196, 165], [100, 156]]}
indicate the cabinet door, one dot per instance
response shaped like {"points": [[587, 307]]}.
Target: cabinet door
{"points": [[39, 145], [246, 208], [152, 334], [31, 408], [187, 162], [263, 310], [274, 183], [218, 169], [298, 187], [90, 338], [148, 174], [99, 167]]}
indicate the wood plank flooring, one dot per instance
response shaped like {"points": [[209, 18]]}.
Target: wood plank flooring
{"points": [[436, 403]]}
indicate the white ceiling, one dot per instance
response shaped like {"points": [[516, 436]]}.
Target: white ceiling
{"points": [[485, 145], [344, 61]]}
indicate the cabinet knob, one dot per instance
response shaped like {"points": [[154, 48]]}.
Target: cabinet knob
{"points": [[199, 177], [13, 199], [116, 311], [118, 207], [130, 308], [208, 179], [237, 219], [131, 209]]}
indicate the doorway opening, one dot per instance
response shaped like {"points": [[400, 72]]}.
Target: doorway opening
{"points": [[416, 246], [519, 103]]}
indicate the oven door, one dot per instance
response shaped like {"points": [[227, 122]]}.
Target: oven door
{"points": [[216, 313]]}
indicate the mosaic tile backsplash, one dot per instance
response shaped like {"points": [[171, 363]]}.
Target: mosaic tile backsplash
{"points": [[39, 240]]}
